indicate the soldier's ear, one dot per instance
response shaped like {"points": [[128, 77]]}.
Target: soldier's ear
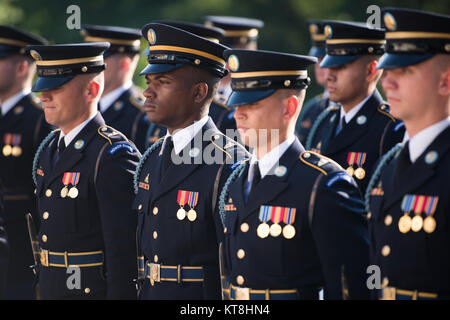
{"points": [[444, 83], [292, 106], [93, 90], [200, 92]]}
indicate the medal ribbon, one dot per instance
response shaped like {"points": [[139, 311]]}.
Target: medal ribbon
{"points": [[276, 215], [361, 158], [264, 213], [419, 204], [408, 202], [7, 138], [16, 139], [431, 204], [289, 215], [67, 177], [182, 197], [75, 178], [192, 199], [351, 158]]}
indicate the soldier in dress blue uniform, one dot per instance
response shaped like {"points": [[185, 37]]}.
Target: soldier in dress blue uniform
{"points": [[359, 131], [121, 102], [22, 127], [408, 196], [240, 33], [83, 173], [294, 220], [316, 105], [178, 178]]}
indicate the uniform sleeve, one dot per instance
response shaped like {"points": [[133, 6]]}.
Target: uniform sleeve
{"points": [[115, 196], [340, 231]]}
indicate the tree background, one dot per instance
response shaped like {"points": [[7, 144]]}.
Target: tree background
{"points": [[285, 27]]}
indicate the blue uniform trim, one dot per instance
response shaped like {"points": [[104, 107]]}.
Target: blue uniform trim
{"points": [[338, 177], [141, 163], [122, 145], [41, 147], [377, 173], [398, 126], [224, 193], [316, 125]]}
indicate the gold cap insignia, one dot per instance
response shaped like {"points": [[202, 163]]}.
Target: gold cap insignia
{"points": [[447, 47], [389, 21], [233, 63], [151, 36], [328, 31], [36, 56]]}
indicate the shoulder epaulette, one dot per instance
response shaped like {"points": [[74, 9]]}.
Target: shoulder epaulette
{"points": [[384, 108], [110, 133], [320, 162]]}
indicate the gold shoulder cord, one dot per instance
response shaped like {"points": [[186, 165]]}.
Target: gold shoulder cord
{"points": [[223, 150]]}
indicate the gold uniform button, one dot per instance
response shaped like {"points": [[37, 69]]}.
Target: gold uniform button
{"points": [[388, 220], [87, 290], [225, 230], [155, 258], [45, 215], [241, 254], [155, 234], [369, 215], [140, 207], [386, 250], [155, 210], [35, 191], [245, 227], [240, 280], [48, 193], [44, 238]]}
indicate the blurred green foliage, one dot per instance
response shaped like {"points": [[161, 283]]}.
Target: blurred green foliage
{"points": [[285, 27]]}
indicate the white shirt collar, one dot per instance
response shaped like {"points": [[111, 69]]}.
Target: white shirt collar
{"points": [[108, 99], [422, 140], [12, 101], [349, 115], [183, 136], [74, 132], [270, 159]]}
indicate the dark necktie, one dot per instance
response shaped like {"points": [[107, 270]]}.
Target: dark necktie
{"points": [[254, 168], [58, 150], [341, 125], [256, 176], [166, 156], [403, 162], [61, 146]]}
